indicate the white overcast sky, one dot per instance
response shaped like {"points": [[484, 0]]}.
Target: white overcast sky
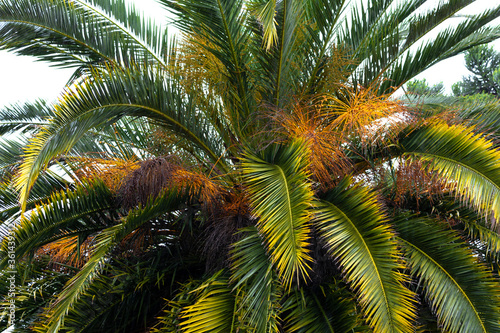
{"points": [[21, 78]]}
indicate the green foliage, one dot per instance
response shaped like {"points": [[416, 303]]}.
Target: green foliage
{"points": [[483, 62], [353, 228], [458, 288], [281, 197], [422, 88], [254, 176]]}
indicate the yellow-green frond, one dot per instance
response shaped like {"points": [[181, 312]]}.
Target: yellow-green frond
{"points": [[281, 198], [466, 159], [355, 231]]}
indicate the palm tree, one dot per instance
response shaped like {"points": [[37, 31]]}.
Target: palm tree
{"points": [[254, 176]]}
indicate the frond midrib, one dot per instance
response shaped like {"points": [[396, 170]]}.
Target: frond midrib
{"points": [[235, 58], [124, 30], [62, 34], [325, 317], [289, 205], [462, 292], [68, 219], [31, 174], [465, 166], [373, 26], [282, 46], [333, 27], [360, 236]]}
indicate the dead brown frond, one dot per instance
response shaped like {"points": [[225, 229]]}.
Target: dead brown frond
{"points": [[111, 171], [222, 230], [414, 182], [67, 251], [160, 173], [147, 181]]}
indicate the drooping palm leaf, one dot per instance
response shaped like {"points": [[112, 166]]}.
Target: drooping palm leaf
{"points": [[463, 157], [85, 210], [103, 100], [214, 309], [281, 197], [254, 276], [105, 241], [24, 118], [450, 42], [129, 290], [265, 12], [358, 236], [460, 290]]}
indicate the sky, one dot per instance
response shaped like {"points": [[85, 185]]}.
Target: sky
{"points": [[22, 78]]}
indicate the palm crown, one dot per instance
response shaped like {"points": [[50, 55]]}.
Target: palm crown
{"points": [[254, 176]]}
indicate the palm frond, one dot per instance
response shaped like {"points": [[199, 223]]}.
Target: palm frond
{"points": [[47, 184], [33, 291], [322, 57], [281, 197], [330, 308], [26, 118], [265, 12], [75, 33], [423, 23], [253, 275], [366, 20], [222, 24], [128, 289], [286, 53], [449, 42], [483, 114], [465, 158], [83, 279], [488, 237], [357, 235], [105, 241], [461, 291], [118, 92], [140, 33], [214, 309], [66, 213]]}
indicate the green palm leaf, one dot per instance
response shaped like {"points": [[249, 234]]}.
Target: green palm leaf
{"points": [[287, 52], [106, 240], [265, 12], [106, 98], [214, 309], [253, 276], [450, 42], [460, 290], [463, 157], [281, 198], [356, 234], [222, 24], [329, 308], [83, 211], [24, 118], [128, 289], [76, 33]]}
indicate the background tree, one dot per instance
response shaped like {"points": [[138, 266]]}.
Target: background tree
{"points": [[483, 62], [422, 88], [255, 177]]}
